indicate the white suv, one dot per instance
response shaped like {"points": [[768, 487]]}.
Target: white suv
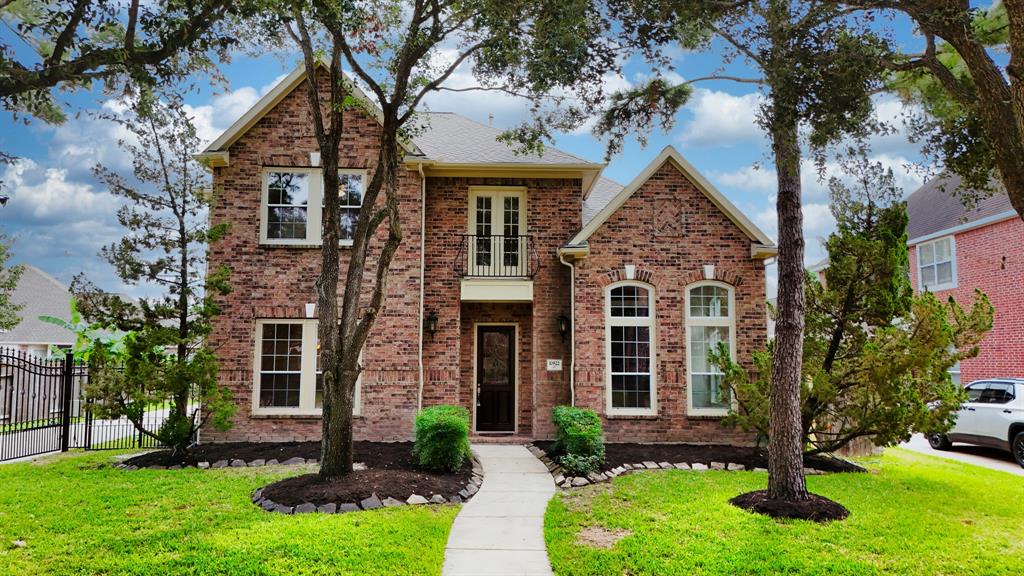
{"points": [[992, 416]]}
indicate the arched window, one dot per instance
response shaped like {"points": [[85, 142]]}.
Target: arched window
{"points": [[710, 320], [629, 348]]}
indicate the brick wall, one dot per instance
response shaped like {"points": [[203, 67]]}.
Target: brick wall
{"points": [[276, 281], [990, 258], [668, 230]]}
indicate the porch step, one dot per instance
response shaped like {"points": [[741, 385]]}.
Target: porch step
{"points": [[499, 439]]}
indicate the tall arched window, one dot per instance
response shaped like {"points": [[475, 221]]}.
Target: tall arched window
{"points": [[710, 320], [629, 348]]}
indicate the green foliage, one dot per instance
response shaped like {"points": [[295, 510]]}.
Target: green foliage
{"points": [[9, 277], [442, 438], [162, 357], [949, 126], [90, 338], [579, 439], [875, 356]]}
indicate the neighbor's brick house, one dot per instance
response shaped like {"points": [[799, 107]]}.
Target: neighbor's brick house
{"points": [[522, 282], [955, 250]]}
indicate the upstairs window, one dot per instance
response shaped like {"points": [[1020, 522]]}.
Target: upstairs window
{"points": [[709, 322], [630, 350], [288, 194], [936, 264]]}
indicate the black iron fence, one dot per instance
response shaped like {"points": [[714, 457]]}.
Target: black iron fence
{"points": [[487, 256], [45, 407]]}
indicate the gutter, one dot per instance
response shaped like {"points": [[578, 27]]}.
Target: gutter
{"points": [[963, 227], [562, 253], [423, 241]]}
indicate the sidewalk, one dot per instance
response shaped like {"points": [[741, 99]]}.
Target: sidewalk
{"points": [[501, 530]]}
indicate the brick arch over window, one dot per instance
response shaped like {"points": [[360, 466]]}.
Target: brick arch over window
{"points": [[619, 275], [730, 277]]}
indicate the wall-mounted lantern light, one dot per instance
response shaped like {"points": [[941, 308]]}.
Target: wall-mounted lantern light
{"points": [[430, 323], [563, 325]]}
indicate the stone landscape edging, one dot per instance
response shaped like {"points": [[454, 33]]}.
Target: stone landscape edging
{"points": [[374, 502], [233, 463], [568, 482]]}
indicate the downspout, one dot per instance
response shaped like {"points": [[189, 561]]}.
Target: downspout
{"points": [[572, 327], [423, 222]]}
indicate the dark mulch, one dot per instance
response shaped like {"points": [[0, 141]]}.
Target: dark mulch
{"points": [[396, 483], [815, 508], [749, 456], [380, 454]]}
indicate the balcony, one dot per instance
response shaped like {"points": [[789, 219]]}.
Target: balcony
{"points": [[496, 268]]}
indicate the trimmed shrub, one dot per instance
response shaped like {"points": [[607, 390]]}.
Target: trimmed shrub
{"points": [[578, 438], [442, 438]]}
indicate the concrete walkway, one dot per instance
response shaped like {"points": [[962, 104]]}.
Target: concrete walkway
{"points": [[501, 530]]}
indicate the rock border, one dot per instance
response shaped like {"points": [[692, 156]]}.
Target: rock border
{"points": [[374, 502], [566, 482], [233, 463]]}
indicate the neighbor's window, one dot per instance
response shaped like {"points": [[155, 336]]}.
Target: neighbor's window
{"points": [[936, 264], [709, 322], [630, 349], [288, 377], [289, 192]]}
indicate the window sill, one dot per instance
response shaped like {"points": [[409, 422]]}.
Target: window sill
{"points": [[631, 416], [940, 288], [292, 415], [707, 414]]}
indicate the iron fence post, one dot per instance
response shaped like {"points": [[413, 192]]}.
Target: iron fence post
{"points": [[66, 390]]}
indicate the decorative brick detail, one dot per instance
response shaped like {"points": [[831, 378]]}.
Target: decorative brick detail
{"points": [[619, 274], [731, 277]]}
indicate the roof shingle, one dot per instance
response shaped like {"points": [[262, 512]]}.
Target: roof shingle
{"points": [[41, 295], [935, 207]]}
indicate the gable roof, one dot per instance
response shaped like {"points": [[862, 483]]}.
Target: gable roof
{"points": [[671, 155], [40, 295], [447, 140], [604, 191], [271, 99], [935, 210]]}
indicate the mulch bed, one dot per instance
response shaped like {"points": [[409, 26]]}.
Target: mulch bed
{"points": [[815, 508], [381, 454], [749, 456], [361, 484]]}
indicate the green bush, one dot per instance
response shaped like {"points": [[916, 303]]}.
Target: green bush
{"points": [[578, 438], [442, 438]]}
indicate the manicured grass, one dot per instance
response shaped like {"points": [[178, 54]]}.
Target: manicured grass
{"points": [[78, 515], [912, 514]]}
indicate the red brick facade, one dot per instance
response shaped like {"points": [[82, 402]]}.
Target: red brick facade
{"points": [[990, 258], [276, 282], [669, 261]]}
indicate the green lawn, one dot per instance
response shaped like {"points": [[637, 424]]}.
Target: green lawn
{"points": [[78, 515], [912, 514]]}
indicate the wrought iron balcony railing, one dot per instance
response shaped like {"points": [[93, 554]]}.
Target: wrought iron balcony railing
{"points": [[496, 257]]}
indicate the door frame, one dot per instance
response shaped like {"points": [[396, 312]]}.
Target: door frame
{"points": [[516, 371]]}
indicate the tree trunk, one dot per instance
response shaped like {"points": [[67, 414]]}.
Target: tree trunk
{"points": [[1015, 70], [785, 441]]}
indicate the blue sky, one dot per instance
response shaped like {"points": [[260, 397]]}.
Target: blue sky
{"points": [[60, 216]]}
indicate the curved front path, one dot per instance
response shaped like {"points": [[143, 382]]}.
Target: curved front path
{"points": [[500, 531]]}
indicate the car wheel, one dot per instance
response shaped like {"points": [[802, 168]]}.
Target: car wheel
{"points": [[1017, 447], [939, 442]]}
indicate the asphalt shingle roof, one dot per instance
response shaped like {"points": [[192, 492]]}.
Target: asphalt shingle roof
{"points": [[603, 192], [41, 295], [448, 137], [935, 207]]}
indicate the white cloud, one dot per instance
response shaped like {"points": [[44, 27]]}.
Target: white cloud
{"points": [[722, 119], [48, 195], [754, 178]]}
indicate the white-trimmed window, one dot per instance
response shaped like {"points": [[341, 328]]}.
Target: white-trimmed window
{"points": [[629, 348], [288, 193], [710, 320], [936, 264], [287, 374]]}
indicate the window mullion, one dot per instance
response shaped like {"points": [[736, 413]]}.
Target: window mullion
{"points": [[314, 218], [307, 390]]}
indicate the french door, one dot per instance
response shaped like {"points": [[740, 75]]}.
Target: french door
{"points": [[497, 227]]}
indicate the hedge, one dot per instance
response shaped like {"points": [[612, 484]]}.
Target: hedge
{"points": [[578, 438], [442, 438]]}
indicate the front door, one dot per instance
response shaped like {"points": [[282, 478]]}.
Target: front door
{"points": [[495, 378]]}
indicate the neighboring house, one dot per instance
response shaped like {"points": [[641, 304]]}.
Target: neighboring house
{"points": [[522, 282], [954, 251], [40, 295], [29, 395]]}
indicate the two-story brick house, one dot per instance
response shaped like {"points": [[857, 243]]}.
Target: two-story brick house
{"points": [[955, 250], [522, 282]]}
